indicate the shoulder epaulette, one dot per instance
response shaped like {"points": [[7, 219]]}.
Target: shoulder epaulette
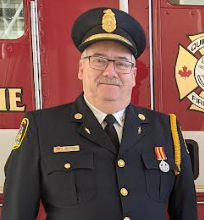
{"points": [[176, 141]]}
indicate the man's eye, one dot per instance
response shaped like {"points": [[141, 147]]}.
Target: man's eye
{"points": [[99, 60], [123, 64]]}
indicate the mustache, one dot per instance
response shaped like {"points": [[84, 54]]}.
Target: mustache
{"points": [[110, 81]]}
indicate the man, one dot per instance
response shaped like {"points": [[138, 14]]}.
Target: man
{"points": [[101, 157]]}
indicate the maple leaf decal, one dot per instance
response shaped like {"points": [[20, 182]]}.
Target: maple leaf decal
{"points": [[184, 72]]}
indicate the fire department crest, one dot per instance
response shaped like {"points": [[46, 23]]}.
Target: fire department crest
{"points": [[189, 72], [21, 133]]}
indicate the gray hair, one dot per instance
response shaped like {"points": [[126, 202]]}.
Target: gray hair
{"points": [[83, 54]]}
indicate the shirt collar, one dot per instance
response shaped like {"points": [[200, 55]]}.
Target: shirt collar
{"points": [[119, 116]]}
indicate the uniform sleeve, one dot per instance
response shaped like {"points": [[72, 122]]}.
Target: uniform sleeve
{"points": [[22, 183], [182, 203]]}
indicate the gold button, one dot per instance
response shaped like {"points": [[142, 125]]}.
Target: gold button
{"points": [[121, 163], [142, 117], [126, 218], [124, 192], [78, 116], [67, 165]]}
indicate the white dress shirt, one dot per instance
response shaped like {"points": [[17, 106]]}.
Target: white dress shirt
{"points": [[119, 116]]}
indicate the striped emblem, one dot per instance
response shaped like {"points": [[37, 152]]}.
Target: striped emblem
{"points": [[160, 154]]}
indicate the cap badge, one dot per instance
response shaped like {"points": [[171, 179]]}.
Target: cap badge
{"points": [[108, 21]]}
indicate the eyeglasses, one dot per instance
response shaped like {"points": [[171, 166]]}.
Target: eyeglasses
{"points": [[101, 63]]}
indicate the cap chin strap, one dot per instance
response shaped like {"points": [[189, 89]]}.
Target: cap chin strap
{"points": [[108, 36]]}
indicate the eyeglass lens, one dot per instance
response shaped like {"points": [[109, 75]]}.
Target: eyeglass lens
{"points": [[100, 63]]}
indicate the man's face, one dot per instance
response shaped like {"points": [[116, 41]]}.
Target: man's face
{"points": [[107, 85]]}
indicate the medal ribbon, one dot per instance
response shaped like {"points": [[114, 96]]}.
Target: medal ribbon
{"points": [[160, 154]]}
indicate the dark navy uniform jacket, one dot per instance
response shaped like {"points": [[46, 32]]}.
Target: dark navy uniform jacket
{"points": [[89, 188]]}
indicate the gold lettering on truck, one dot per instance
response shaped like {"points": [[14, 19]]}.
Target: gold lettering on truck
{"points": [[11, 100]]}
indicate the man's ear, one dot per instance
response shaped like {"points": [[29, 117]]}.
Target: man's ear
{"points": [[80, 72], [134, 76]]}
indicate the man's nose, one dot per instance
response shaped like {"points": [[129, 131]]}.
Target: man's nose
{"points": [[110, 70]]}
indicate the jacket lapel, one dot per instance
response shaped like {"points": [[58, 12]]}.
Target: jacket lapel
{"points": [[89, 126], [133, 128]]}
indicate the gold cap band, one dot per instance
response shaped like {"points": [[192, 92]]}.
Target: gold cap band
{"points": [[108, 36]]}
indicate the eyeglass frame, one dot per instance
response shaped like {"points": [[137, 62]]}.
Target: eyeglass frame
{"points": [[109, 60]]}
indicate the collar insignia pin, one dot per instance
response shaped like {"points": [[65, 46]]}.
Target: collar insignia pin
{"points": [[139, 130], [122, 119], [87, 130]]}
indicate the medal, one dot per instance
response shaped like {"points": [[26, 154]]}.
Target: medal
{"points": [[160, 154], [164, 166]]}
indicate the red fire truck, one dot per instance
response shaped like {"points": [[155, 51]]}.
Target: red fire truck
{"points": [[38, 65]]}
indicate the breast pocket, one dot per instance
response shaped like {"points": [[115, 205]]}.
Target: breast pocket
{"points": [[158, 184], [70, 178]]}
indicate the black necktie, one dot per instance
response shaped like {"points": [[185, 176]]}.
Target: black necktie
{"points": [[110, 130]]}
